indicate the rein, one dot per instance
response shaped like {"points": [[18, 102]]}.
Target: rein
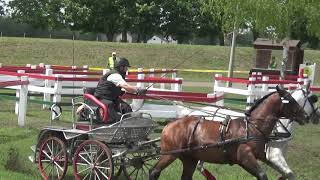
{"points": [[207, 146]]}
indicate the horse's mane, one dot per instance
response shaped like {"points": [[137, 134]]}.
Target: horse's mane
{"points": [[256, 104]]}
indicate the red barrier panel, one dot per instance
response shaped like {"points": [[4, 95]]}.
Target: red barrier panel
{"points": [[272, 76], [156, 71], [57, 67], [77, 72], [234, 80], [178, 96], [147, 80], [245, 81], [36, 76], [316, 89], [16, 68]]}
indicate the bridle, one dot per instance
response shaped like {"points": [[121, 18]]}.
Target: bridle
{"points": [[300, 110], [314, 110], [291, 100]]}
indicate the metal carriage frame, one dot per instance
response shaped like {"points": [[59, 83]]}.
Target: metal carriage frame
{"points": [[97, 151]]}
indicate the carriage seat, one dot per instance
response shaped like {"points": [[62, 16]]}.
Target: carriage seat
{"points": [[102, 108]]}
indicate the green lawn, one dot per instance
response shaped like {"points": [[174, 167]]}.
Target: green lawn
{"points": [[303, 155], [19, 51]]}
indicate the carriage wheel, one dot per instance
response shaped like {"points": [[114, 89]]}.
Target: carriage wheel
{"points": [[137, 165], [117, 167], [52, 158], [92, 160]]}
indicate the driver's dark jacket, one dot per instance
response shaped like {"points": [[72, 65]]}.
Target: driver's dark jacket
{"points": [[107, 89]]}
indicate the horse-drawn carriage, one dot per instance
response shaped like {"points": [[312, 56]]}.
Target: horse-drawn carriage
{"points": [[96, 148]]}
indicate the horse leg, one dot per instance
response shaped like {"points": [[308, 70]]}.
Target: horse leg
{"points": [[276, 160], [249, 162], [189, 166], [164, 161]]}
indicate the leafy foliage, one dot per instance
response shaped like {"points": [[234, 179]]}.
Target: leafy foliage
{"points": [[181, 19]]}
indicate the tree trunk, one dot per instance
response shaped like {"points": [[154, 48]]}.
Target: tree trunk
{"points": [[255, 34], [124, 36], [144, 38], [212, 39], [110, 37], [221, 38], [138, 38]]}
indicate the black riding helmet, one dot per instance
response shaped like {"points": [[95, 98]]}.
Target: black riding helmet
{"points": [[121, 62]]}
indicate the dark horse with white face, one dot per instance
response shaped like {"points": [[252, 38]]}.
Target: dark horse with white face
{"points": [[191, 139]]}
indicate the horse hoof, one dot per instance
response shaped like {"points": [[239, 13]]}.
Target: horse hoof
{"points": [[281, 178]]}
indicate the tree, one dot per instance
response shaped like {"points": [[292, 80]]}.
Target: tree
{"points": [[44, 14], [2, 6], [178, 18], [99, 16], [147, 19]]}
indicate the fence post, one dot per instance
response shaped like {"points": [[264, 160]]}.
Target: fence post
{"points": [[0, 65], [137, 103], [265, 86], [251, 92], [217, 84], [151, 75], [173, 76], [41, 65], [16, 110], [57, 94], [163, 75], [140, 76], [23, 102], [47, 84], [177, 86], [105, 71]]}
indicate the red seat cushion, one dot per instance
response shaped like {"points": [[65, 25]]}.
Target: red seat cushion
{"points": [[104, 107]]}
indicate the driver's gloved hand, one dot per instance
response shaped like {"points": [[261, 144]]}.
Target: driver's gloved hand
{"points": [[141, 91]]}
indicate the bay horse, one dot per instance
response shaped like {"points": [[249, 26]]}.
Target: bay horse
{"points": [[242, 142], [276, 149]]}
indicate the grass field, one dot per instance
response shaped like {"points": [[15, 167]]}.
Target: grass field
{"points": [[19, 51], [303, 155]]}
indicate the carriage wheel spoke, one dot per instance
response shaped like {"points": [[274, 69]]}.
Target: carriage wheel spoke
{"points": [[90, 175], [58, 154], [144, 172], [44, 152], [48, 165], [51, 169], [103, 161], [83, 170], [147, 164], [137, 174], [84, 159], [132, 172], [85, 176], [101, 167], [99, 156], [103, 174], [87, 153], [57, 170], [57, 165], [91, 153], [97, 175]]}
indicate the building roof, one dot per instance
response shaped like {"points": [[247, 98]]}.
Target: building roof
{"points": [[262, 43]]}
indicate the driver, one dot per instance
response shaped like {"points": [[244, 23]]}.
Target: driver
{"points": [[112, 85]]}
